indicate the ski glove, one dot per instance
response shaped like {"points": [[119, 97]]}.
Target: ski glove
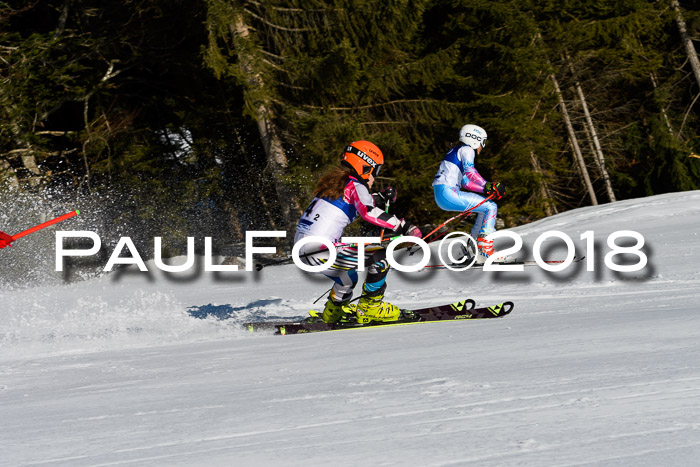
{"points": [[497, 189], [408, 229], [387, 195]]}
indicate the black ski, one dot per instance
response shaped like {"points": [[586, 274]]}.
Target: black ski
{"points": [[464, 309]]}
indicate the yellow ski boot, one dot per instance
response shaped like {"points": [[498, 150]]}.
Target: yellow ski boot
{"points": [[371, 307], [336, 311]]}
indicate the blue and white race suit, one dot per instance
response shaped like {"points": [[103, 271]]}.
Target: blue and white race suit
{"points": [[457, 172]]}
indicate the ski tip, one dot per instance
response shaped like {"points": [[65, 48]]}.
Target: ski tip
{"points": [[77, 212], [507, 307], [468, 304], [501, 309]]}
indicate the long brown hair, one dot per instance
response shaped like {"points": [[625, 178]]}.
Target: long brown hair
{"points": [[332, 183]]}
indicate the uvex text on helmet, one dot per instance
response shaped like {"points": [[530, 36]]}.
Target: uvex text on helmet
{"points": [[364, 158]]}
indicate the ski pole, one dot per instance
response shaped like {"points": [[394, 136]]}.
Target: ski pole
{"points": [[381, 237], [6, 240], [461, 214], [289, 259], [464, 213], [260, 266]]}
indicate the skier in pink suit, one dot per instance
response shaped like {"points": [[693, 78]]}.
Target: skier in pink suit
{"points": [[340, 197]]}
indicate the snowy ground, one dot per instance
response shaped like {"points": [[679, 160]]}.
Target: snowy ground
{"points": [[591, 368]]}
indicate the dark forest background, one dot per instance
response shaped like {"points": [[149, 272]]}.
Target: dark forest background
{"points": [[214, 117]]}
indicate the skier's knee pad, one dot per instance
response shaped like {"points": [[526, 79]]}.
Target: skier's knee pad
{"points": [[378, 268]]}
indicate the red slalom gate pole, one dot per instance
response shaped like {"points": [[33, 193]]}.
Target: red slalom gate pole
{"points": [[6, 240]]}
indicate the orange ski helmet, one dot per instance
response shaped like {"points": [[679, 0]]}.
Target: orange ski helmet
{"points": [[364, 158]]}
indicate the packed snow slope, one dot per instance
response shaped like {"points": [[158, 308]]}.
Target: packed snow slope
{"points": [[591, 368]]}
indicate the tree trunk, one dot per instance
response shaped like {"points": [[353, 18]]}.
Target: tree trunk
{"points": [[549, 208], [663, 111], [687, 41], [277, 164], [594, 136], [62, 20], [574, 142]]}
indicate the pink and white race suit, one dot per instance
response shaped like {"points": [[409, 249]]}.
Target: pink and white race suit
{"points": [[328, 218]]}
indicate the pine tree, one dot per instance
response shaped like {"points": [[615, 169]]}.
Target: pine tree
{"points": [[348, 70], [111, 101]]}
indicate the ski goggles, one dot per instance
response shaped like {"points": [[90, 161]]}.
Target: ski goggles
{"points": [[366, 170]]}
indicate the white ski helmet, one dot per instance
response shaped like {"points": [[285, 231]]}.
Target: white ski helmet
{"points": [[473, 136]]}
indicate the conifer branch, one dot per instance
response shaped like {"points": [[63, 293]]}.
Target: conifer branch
{"points": [[685, 117], [374, 106], [276, 26], [296, 88], [386, 122], [270, 54], [294, 10]]}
